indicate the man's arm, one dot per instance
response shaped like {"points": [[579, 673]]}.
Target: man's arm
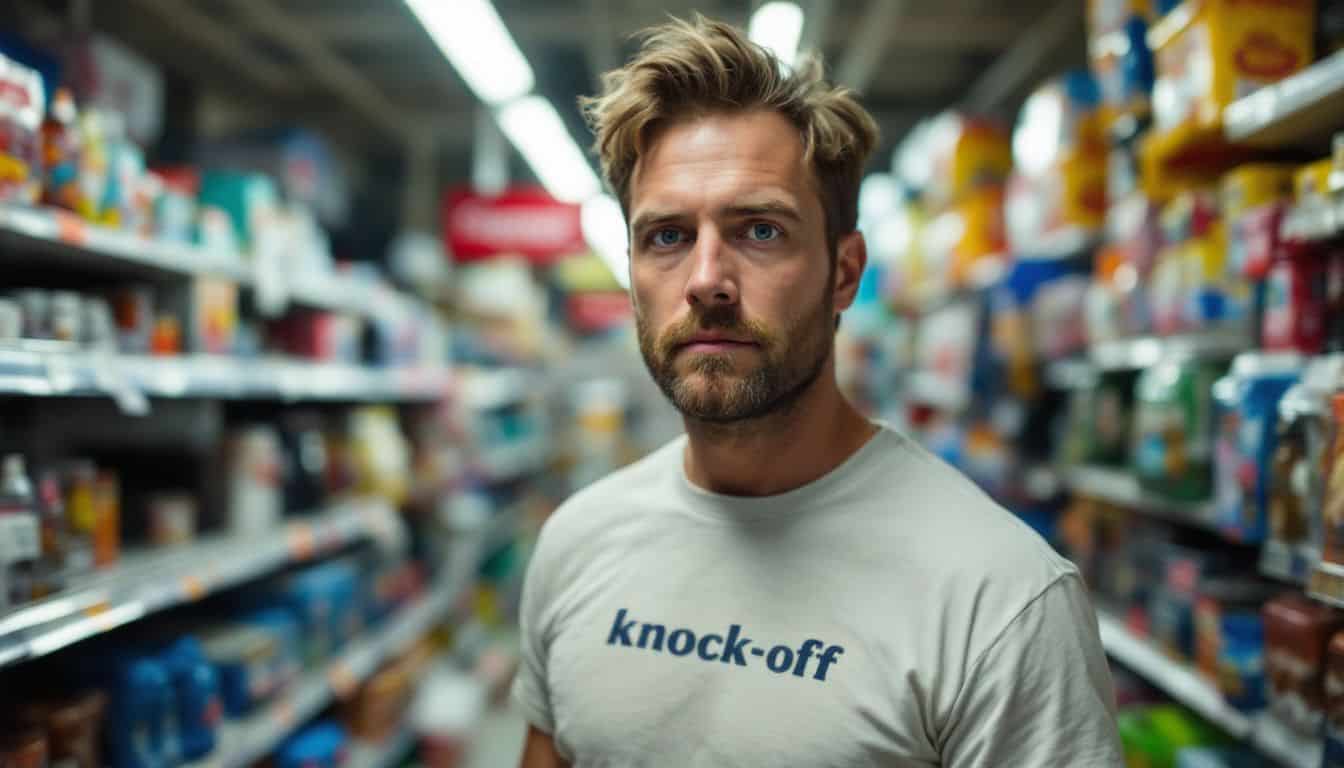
{"points": [[539, 751], [1040, 694]]}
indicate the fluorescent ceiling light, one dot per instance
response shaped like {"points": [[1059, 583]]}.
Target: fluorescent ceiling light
{"points": [[604, 229], [539, 135], [472, 36], [778, 26]]}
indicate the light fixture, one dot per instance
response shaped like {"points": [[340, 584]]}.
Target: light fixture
{"points": [[604, 229], [778, 26], [539, 135], [479, 46]]}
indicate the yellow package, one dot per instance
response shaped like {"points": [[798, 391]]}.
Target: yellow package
{"points": [[980, 215], [1311, 183], [1083, 203], [1248, 187], [967, 154], [1209, 53]]}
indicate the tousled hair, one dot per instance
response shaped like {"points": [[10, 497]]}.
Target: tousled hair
{"points": [[701, 67]]}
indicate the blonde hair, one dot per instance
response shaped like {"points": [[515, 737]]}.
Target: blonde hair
{"points": [[699, 67]]}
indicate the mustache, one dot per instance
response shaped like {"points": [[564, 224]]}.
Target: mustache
{"points": [[723, 318]]}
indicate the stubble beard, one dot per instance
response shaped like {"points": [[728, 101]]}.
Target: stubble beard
{"points": [[710, 388]]}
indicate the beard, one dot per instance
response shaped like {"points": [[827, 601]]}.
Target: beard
{"points": [[729, 388]]}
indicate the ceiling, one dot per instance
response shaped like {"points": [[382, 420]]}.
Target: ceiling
{"points": [[365, 72]]}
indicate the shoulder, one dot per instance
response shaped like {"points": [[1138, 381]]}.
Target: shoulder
{"points": [[958, 521]]}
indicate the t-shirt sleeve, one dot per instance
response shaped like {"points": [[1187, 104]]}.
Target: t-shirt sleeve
{"points": [[530, 692], [1040, 694]]}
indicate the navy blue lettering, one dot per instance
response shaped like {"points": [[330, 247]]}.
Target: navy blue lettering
{"points": [[827, 659], [657, 631], [804, 655], [703, 651], [620, 630], [680, 642], [780, 658], [732, 647]]}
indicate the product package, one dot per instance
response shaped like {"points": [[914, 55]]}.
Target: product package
{"points": [[1297, 633], [1173, 433], [1248, 403]]}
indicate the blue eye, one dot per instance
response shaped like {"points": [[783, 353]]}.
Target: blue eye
{"points": [[667, 237], [763, 232]]}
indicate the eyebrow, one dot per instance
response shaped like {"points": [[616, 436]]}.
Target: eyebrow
{"points": [[765, 207]]}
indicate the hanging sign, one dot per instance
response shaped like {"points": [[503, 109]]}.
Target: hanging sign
{"points": [[521, 220]]}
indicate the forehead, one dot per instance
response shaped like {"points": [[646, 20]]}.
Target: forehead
{"points": [[718, 158]]}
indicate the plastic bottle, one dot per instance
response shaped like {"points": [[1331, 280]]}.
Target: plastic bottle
{"points": [[20, 544]]}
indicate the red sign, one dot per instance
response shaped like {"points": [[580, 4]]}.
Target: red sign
{"points": [[522, 220], [595, 312]]}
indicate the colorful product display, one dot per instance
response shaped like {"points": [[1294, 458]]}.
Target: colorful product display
{"points": [[1173, 428]]}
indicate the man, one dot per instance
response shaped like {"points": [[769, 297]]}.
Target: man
{"points": [[789, 584]]}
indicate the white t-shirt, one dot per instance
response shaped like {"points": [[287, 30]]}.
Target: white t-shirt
{"points": [[887, 614]]}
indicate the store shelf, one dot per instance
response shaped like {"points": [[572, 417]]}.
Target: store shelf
{"points": [[244, 742], [1177, 680], [55, 232], [1299, 112], [1313, 224], [126, 378], [386, 755], [1059, 245], [1122, 488], [1286, 747], [1184, 685], [512, 460], [1284, 563], [150, 581], [1133, 354], [488, 389]]}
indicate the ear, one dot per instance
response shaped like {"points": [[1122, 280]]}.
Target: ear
{"points": [[850, 260]]}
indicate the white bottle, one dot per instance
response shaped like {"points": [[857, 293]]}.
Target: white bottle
{"points": [[20, 540]]}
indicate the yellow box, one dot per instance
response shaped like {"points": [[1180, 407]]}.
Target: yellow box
{"points": [[1248, 187], [1312, 181], [1209, 53], [967, 154]]}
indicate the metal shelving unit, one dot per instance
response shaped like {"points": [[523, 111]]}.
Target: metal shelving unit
{"points": [[1134, 354], [54, 370], [244, 742], [1187, 687], [1299, 111], [147, 582], [1122, 488]]}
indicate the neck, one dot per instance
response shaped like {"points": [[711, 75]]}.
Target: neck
{"points": [[780, 451]]}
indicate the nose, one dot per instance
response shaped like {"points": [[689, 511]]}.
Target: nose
{"points": [[713, 280]]}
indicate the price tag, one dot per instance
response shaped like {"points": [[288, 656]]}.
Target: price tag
{"points": [[284, 714], [193, 588], [343, 682], [302, 543], [71, 229], [112, 379]]}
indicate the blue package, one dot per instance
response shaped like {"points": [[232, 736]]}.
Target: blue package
{"points": [[1136, 65], [319, 746], [196, 685], [244, 658], [1247, 407], [141, 728], [287, 632], [1242, 657]]}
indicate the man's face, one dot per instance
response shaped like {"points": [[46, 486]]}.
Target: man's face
{"points": [[734, 290]]}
